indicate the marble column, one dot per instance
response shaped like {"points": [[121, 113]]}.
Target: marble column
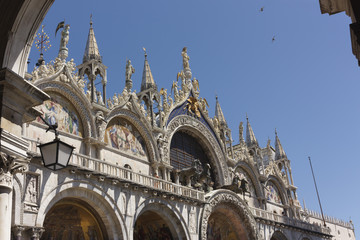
{"points": [[8, 167], [5, 204]]}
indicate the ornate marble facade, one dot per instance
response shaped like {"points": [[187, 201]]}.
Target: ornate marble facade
{"points": [[123, 182]]}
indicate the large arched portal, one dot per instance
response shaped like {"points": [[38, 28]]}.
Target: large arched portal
{"points": [[224, 223], [226, 216], [73, 219], [151, 225]]}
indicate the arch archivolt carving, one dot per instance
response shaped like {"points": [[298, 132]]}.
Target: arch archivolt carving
{"points": [[205, 138], [79, 102], [279, 235], [167, 211], [140, 126], [230, 199], [280, 187], [304, 236], [103, 204], [253, 177]]}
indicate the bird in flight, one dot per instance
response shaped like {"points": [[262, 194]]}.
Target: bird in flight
{"points": [[273, 39], [261, 9]]}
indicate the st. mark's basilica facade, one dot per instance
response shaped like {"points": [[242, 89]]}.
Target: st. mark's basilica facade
{"points": [[148, 164]]}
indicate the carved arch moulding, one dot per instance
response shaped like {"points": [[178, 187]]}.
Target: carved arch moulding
{"points": [[190, 124], [230, 199], [80, 105], [140, 126], [249, 170]]}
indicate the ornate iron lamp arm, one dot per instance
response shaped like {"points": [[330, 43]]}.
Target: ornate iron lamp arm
{"points": [[52, 127]]}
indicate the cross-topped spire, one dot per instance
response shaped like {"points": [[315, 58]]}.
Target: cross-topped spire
{"points": [[91, 49]]}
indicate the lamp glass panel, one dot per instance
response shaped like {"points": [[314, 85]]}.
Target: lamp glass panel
{"points": [[64, 153], [49, 153]]}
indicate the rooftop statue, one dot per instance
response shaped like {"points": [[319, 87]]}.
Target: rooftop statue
{"points": [[63, 51], [241, 130], [129, 70], [186, 58], [64, 37]]}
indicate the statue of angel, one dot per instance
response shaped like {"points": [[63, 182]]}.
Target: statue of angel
{"points": [[196, 85], [64, 37]]}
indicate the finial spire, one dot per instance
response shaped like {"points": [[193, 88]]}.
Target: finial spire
{"points": [[250, 136], [279, 151], [145, 52], [147, 77], [219, 113], [91, 49]]}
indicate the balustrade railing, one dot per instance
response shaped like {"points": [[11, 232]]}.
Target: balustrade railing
{"points": [[123, 174], [329, 219], [288, 221]]}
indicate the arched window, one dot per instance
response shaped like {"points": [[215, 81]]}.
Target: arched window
{"points": [[184, 150]]}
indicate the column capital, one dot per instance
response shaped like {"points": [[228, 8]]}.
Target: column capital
{"points": [[9, 165], [17, 231], [36, 232]]}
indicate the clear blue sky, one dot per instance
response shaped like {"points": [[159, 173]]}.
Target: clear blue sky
{"points": [[306, 83]]}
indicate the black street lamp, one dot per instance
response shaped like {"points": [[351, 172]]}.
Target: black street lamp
{"points": [[55, 154]]}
